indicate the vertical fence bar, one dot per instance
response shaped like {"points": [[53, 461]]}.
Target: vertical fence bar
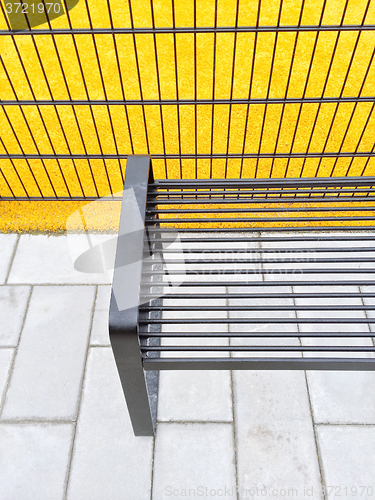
{"points": [[213, 88], [287, 85], [305, 86], [138, 74], [177, 86], [195, 92], [231, 86], [159, 89], [268, 88], [87, 97], [325, 85], [353, 112], [250, 86], [341, 92], [122, 88], [105, 97]]}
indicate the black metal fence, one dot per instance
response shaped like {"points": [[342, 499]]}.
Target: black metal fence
{"points": [[210, 89]]}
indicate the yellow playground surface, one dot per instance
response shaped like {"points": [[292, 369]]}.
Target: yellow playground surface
{"points": [[229, 66]]}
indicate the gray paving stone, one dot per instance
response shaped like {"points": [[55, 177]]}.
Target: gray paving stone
{"points": [[276, 270], [338, 397], [194, 460], [108, 461], [262, 327], [369, 302], [99, 330], [195, 395], [34, 460], [50, 259], [49, 364], [6, 356], [13, 301], [274, 435], [7, 243], [348, 458]]}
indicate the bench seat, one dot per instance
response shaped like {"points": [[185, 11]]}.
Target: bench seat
{"points": [[240, 274]]}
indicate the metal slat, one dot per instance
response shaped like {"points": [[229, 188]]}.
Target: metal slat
{"points": [[282, 363]]}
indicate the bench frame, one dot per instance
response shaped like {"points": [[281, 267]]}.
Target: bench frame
{"points": [[129, 332]]}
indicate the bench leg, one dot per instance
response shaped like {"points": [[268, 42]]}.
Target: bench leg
{"points": [[140, 392]]}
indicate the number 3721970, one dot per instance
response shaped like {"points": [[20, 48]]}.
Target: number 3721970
{"points": [[31, 8]]}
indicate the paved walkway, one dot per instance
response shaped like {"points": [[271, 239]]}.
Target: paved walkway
{"points": [[65, 431]]}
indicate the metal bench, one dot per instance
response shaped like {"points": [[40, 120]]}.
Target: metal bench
{"points": [[241, 213]]}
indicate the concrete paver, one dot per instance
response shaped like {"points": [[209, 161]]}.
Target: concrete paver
{"points": [[49, 363], [13, 301], [34, 459], [57, 435], [108, 461]]}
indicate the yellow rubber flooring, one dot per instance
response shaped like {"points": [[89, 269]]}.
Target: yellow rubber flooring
{"points": [[45, 67]]}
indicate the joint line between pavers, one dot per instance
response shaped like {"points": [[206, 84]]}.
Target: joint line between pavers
{"points": [[365, 311], [320, 462], [200, 422], [80, 396], [11, 368], [12, 259]]}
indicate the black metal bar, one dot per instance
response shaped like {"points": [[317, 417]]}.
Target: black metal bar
{"points": [[267, 183], [245, 321], [325, 86], [283, 260], [233, 192], [336, 364], [232, 85], [268, 90], [272, 283], [275, 229], [195, 91], [306, 84], [260, 200], [158, 84], [187, 102], [87, 96], [138, 75], [258, 335], [354, 108], [287, 85], [203, 307], [124, 315], [207, 220], [190, 29], [271, 348], [213, 90], [258, 210], [177, 86], [121, 86], [279, 250], [272, 272], [250, 87], [214, 201], [250, 296], [190, 156]]}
